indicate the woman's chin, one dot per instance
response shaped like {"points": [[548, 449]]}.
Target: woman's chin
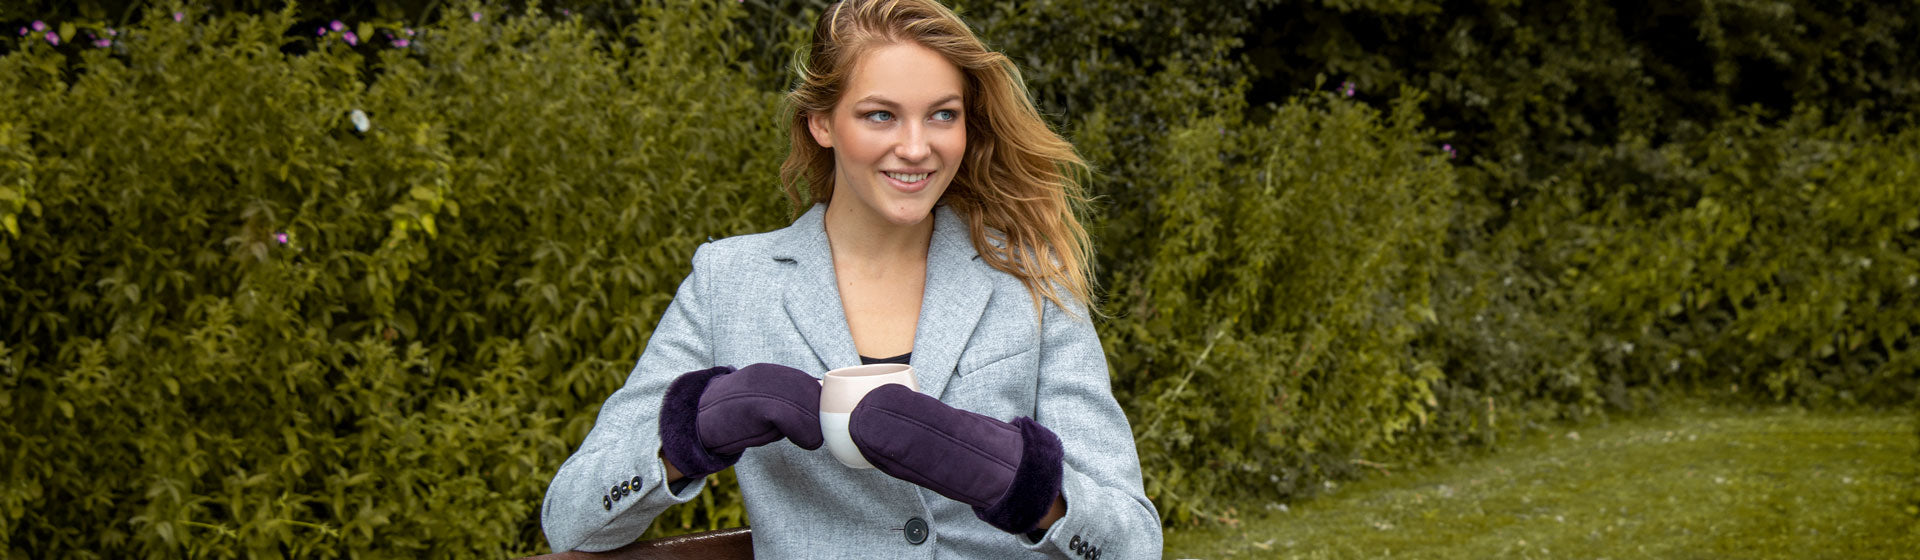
{"points": [[911, 210], [909, 215]]}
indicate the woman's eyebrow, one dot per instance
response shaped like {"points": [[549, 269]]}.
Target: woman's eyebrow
{"points": [[882, 101]]}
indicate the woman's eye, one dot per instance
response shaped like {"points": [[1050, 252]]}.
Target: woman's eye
{"points": [[946, 115], [878, 116]]}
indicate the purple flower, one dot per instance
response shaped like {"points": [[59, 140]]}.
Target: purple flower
{"points": [[476, 16], [351, 38], [409, 32], [177, 16], [112, 33], [281, 237], [1348, 87], [39, 25], [336, 25], [103, 43], [23, 32], [401, 43], [1449, 149], [322, 32], [53, 38]]}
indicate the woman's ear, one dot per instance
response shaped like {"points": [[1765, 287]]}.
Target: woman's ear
{"points": [[821, 125]]}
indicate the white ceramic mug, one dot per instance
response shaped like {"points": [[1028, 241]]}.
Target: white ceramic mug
{"points": [[841, 390]]}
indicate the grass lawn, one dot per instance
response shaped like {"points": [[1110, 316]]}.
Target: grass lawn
{"points": [[1692, 482]]}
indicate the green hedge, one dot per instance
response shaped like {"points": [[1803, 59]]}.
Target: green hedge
{"points": [[460, 285], [1780, 260], [1299, 291], [1265, 341], [1537, 85]]}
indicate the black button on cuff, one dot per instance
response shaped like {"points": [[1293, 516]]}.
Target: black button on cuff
{"points": [[607, 501], [1084, 548], [916, 531]]}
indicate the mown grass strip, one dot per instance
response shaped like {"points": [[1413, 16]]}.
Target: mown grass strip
{"points": [[1694, 482]]}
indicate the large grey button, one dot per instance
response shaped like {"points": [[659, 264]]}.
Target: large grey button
{"points": [[916, 531]]}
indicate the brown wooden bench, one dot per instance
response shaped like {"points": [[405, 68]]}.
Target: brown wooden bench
{"points": [[724, 544]]}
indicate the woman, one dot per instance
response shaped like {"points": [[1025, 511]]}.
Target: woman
{"points": [[939, 230]]}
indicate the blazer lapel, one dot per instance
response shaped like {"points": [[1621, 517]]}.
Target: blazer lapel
{"points": [[812, 298], [956, 296]]}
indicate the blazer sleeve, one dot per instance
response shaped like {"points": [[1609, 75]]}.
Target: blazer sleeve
{"points": [[1107, 508], [608, 493]]}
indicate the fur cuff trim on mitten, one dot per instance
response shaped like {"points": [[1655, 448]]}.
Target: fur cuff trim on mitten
{"points": [[1035, 484], [679, 434]]}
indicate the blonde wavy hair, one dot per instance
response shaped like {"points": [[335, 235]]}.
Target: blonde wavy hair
{"points": [[1019, 183]]}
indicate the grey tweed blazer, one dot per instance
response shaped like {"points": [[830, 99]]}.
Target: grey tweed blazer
{"points": [[772, 297]]}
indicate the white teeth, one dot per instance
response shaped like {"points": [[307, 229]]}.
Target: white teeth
{"points": [[904, 178]]}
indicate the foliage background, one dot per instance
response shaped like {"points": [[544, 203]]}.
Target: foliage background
{"points": [[1333, 236]]}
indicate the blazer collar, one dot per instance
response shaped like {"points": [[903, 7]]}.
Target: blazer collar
{"points": [[956, 295]]}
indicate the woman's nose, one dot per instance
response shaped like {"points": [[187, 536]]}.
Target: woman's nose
{"points": [[913, 143]]}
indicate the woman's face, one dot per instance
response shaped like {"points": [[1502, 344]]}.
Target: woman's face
{"points": [[897, 134]]}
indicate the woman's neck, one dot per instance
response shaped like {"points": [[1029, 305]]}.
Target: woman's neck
{"points": [[880, 268], [863, 238]]}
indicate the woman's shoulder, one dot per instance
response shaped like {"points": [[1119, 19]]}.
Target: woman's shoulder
{"points": [[760, 249], [732, 253]]}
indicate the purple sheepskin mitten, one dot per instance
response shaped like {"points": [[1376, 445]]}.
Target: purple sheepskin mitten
{"points": [[1009, 473], [711, 416]]}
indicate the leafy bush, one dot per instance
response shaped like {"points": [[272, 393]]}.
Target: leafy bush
{"points": [[1779, 260], [238, 325], [1536, 85], [1265, 342]]}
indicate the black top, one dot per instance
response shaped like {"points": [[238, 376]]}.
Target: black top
{"points": [[900, 359]]}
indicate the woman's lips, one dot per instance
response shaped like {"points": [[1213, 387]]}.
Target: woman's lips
{"points": [[908, 187]]}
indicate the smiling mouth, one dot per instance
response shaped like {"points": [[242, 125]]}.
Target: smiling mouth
{"points": [[908, 177]]}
